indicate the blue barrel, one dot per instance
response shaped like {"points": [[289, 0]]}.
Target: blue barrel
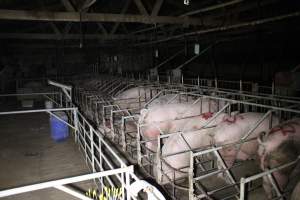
{"points": [[59, 130]]}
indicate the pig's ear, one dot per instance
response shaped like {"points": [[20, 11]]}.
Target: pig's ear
{"points": [[226, 116], [144, 113], [234, 113], [261, 137], [213, 94]]}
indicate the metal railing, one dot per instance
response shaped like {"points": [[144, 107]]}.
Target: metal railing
{"points": [[284, 108], [99, 155]]}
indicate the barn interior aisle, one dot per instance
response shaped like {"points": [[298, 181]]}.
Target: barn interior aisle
{"points": [[28, 154], [150, 99]]}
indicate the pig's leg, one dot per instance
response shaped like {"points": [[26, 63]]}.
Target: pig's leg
{"points": [[267, 187], [151, 134], [229, 155], [247, 150], [242, 155], [281, 180]]}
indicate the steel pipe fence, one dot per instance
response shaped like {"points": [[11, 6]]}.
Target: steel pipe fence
{"points": [[105, 114], [211, 88], [244, 101], [118, 118], [233, 86], [124, 191], [109, 169], [229, 85], [267, 173], [24, 101], [147, 159], [112, 113], [233, 181]]}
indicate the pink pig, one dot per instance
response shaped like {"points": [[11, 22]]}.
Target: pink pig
{"points": [[280, 146], [170, 118], [234, 128], [198, 138], [133, 97]]}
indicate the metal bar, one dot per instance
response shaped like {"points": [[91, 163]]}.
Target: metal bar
{"points": [[199, 11], [262, 174], [256, 125], [61, 120], [67, 4], [225, 28], [48, 184], [156, 7], [72, 192], [123, 11], [274, 184], [194, 57], [28, 94], [158, 94], [223, 164], [191, 175], [46, 36], [141, 7], [29, 15], [214, 7], [35, 111], [169, 59], [87, 4], [54, 83], [55, 29], [65, 88], [206, 151]]}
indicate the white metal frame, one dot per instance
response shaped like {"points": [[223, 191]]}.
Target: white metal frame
{"points": [[247, 100], [95, 151]]}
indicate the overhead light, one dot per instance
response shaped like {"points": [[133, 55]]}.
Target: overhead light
{"points": [[197, 49], [186, 2], [156, 53]]}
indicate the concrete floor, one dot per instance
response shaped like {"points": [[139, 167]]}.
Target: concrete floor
{"points": [[28, 155]]}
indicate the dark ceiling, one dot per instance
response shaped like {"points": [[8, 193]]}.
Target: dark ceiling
{"points": [[142, 22]]}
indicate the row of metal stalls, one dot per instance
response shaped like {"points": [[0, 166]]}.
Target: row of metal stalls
{"points": [[95, 98], [110, 173]]}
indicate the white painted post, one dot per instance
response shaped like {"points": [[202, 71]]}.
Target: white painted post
{"points": [[127, 182], [123, 134], [75, 115], [242, 188], [112, 130], [92, 148], [60, 95], [158, 162], [216, 83], [241, 86], [273, 87], [138, 142], [191, 177]]}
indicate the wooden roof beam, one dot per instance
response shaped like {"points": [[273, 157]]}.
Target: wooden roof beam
{"points": [[28, 15], [157, 7], [44, 36], [123, 11], [141, 7]]}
